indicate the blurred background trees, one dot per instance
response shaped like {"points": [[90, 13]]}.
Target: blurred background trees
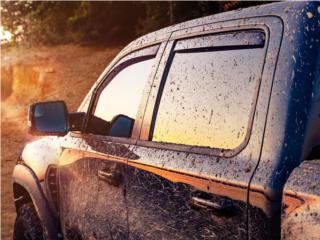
{"points": [[86, 22]]}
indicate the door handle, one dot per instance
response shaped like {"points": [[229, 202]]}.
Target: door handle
{"points": [[114, 178], [223, 207]]}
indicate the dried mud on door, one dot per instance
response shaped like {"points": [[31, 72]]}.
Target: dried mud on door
{"points": [[93, 186]]}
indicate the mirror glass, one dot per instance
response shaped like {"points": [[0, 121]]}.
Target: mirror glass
{"points": [[50, 117]]}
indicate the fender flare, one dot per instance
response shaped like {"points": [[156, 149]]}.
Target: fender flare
{"points": [[25, 177], [300, 218]]}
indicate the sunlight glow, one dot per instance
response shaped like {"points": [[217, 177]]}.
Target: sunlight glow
{"points": [[5, 36], [123, 93]]}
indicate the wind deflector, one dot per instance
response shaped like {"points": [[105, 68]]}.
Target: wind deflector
{"points": [[236, 39]]}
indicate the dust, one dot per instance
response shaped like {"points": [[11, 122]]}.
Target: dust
{"points": [[63, 72]]}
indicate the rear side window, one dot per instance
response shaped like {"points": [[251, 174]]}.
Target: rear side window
{"points": [[210, 91]]}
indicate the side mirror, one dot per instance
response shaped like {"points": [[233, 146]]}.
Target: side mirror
{"points": [[48, 118]]}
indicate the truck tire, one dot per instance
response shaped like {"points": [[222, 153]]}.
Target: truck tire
{"points": [[27, 225]]}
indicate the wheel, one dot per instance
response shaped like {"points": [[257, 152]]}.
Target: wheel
{"points": [[27, 225]]}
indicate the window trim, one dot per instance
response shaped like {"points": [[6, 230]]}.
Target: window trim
{"points": [[201, 149], [120, 64]]}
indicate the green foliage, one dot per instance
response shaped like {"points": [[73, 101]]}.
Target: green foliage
{"points": [[162, 14], [36, 22], [56, 22], [52, 22]]}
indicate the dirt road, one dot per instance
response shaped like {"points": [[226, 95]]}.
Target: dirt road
{"points": [[48, 73]]}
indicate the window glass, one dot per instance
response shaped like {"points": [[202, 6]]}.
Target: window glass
{"points": [[208, 97], [118, 102]]}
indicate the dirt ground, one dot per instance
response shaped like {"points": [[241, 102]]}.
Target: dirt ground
{"points": [[28, 75]]}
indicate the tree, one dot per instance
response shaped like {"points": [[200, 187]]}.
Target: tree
{"points": [[56, 22], [53, 22]]}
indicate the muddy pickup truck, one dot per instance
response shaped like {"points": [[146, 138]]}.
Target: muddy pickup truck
{"points": [[208, 129]]}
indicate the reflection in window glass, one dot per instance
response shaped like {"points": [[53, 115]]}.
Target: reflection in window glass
{"points": [[121, 96], [208, 98]]}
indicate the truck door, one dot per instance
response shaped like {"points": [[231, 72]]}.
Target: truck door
{"points": [[201, 134], [92, 168]]}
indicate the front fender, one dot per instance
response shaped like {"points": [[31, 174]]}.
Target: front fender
{"points": [[41, 153], [26, 178]]}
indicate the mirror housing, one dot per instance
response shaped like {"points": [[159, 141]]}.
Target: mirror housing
{"points": [[76, 121], [48, 118]]}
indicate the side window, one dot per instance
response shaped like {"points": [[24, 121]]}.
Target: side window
{"points": [[210, 91], [117, 102]]}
